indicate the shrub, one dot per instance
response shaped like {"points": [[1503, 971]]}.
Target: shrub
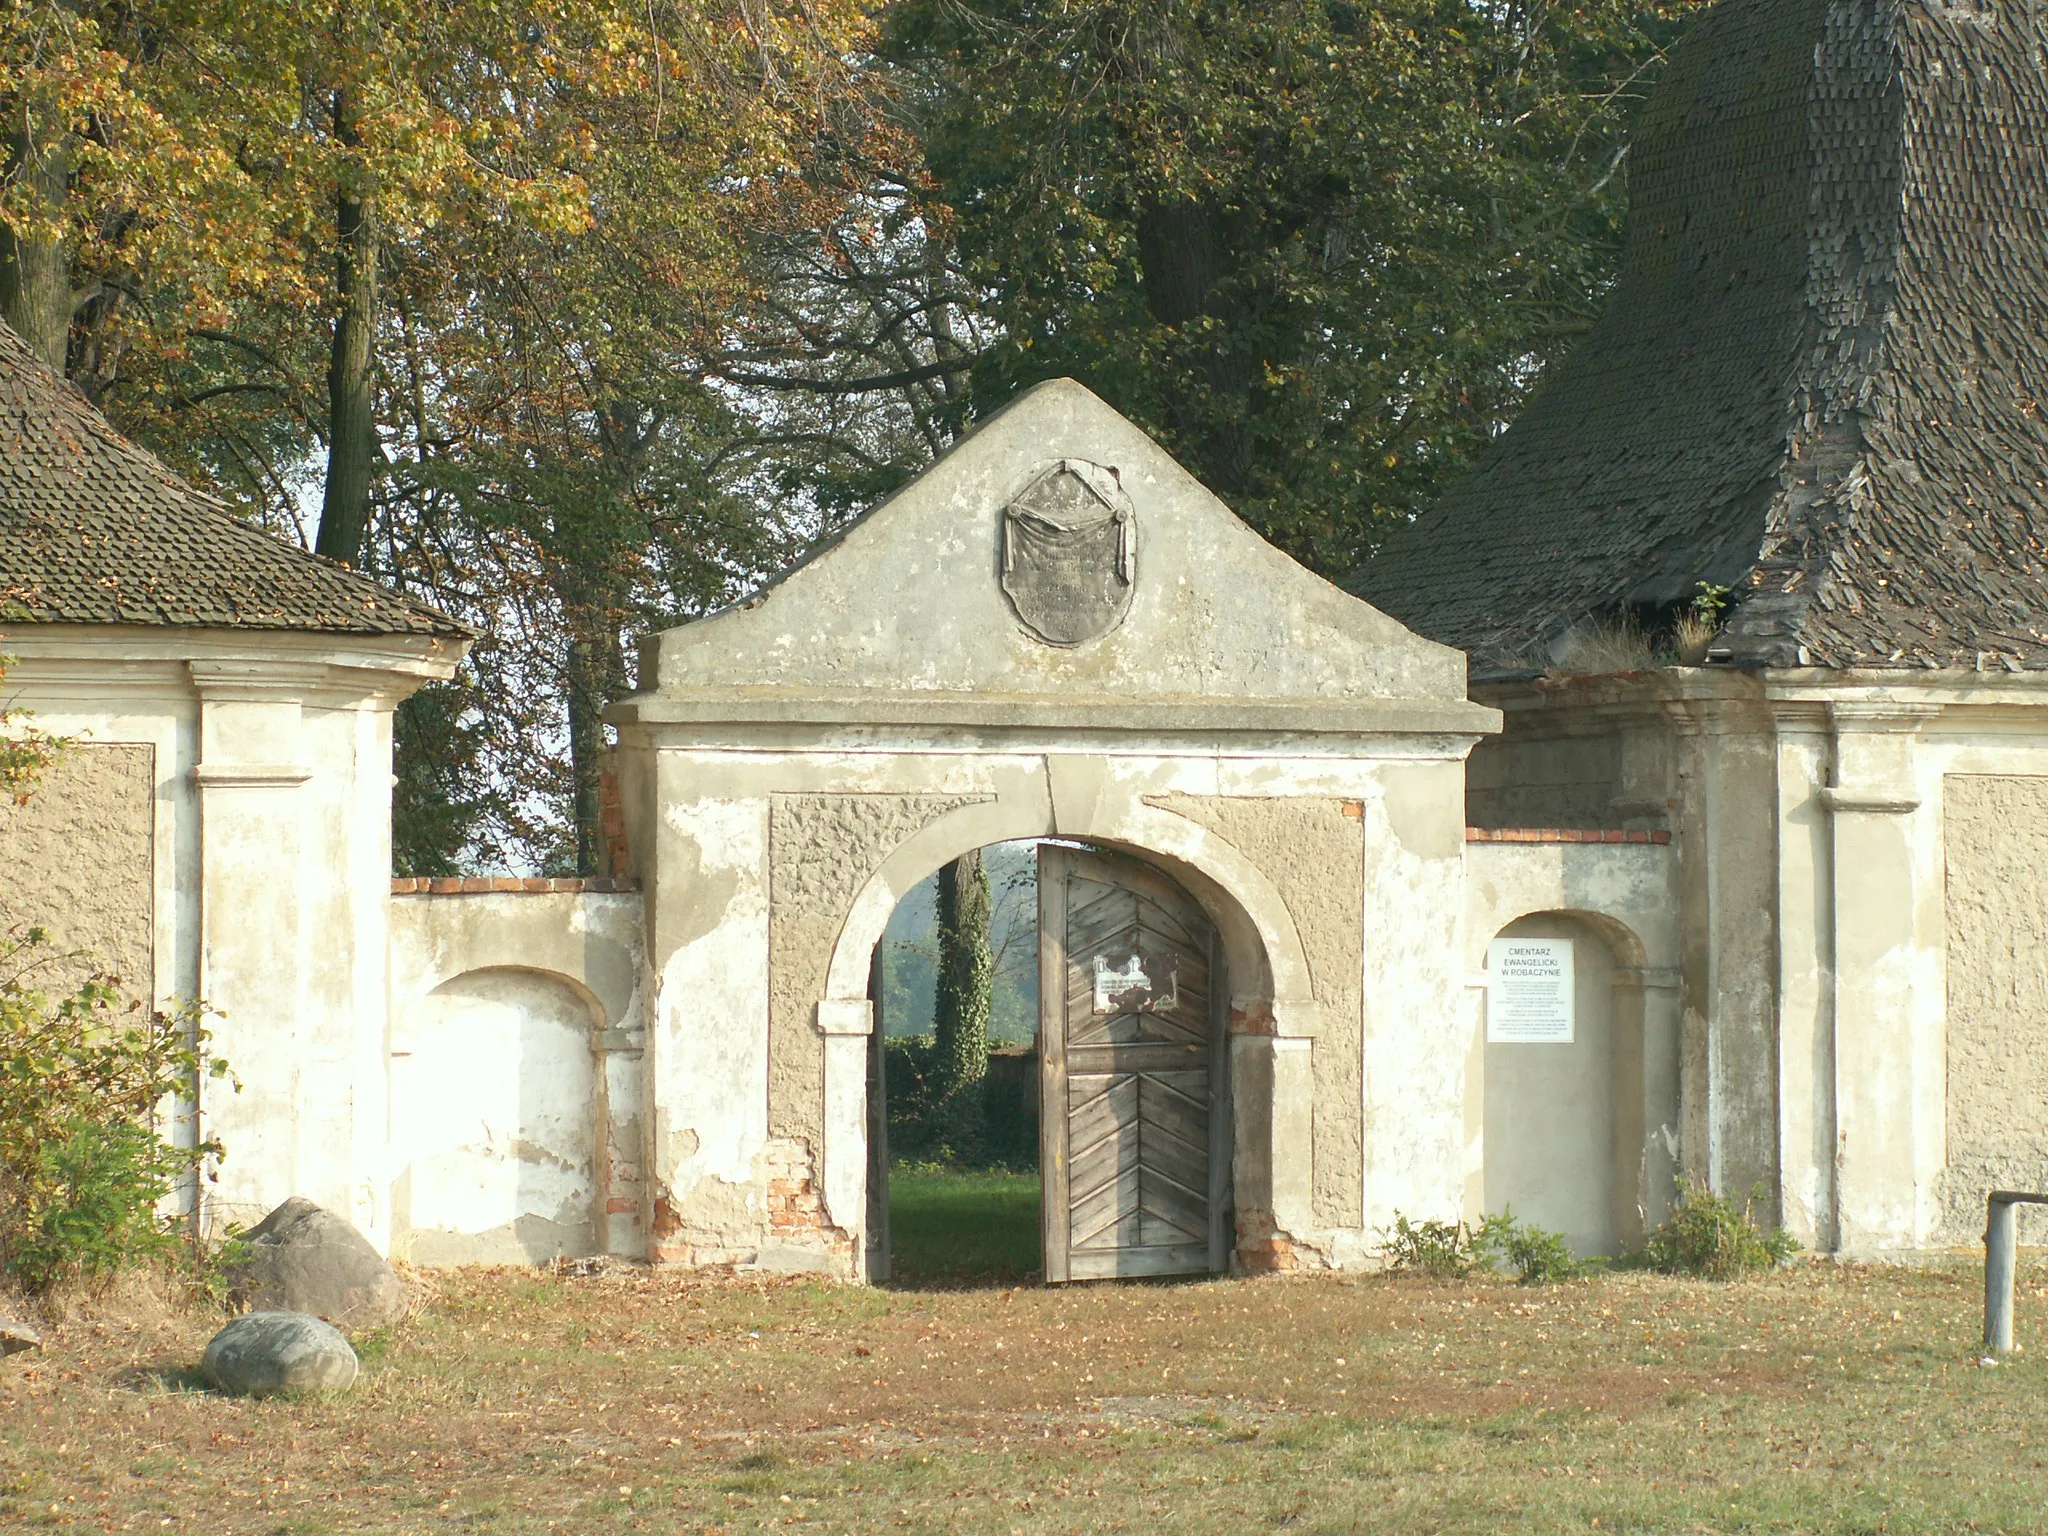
{"points": [[991, 1122], [84, 1158], [926, 1122], [1537, 1257], [1710, 1236], [1442, 1250]]}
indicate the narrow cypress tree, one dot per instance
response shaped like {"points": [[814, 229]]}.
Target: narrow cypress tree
{"points": [[967, 969]]}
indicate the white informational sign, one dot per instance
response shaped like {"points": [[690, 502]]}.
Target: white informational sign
{"points": [[1529, 992], [1115, 982]]}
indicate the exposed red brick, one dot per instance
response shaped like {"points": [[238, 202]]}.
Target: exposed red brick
{"points": [[1254, 1019], [1658, 836], [1262, 1248]]}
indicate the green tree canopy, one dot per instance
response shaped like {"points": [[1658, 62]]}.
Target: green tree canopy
{"points": [[577, 316], [1319, 248]]}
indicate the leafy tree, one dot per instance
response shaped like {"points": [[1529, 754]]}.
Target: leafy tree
{"points": [[441, 792], [564, 466], [1319, 248], [458, 277], [575, 316]]}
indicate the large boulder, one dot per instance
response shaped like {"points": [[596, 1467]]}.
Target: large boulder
{"points": [[16, 1337], [304, 1258], [268, 1352]]}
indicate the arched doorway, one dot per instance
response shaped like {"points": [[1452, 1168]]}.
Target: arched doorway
{"points": [[1569, 1110], [1126, 1067], [494, 1084]]}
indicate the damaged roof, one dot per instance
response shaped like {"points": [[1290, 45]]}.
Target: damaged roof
{"points": [[96, 530], [1820, 379]]}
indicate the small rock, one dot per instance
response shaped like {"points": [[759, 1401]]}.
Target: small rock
{"points": [[16, 1337], [268, 1352], [304, 1258]]}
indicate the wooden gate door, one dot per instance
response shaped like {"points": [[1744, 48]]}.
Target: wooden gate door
{"points": [[1134, 1125]]}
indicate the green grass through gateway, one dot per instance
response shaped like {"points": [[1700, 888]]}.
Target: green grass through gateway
{"points": [[951, 1227]]}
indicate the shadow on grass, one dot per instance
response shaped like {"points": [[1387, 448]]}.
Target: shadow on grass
{"points": [[959, 1229], [162, 1378]]}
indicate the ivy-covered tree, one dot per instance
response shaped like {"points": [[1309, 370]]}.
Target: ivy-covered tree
{"points": [[966, 982]]}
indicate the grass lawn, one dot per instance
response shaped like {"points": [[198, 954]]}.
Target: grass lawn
{"points": [[950, 1228], [1821, 1399]]}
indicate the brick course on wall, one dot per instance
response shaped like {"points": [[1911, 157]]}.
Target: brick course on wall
{"points": [[511, 885]]}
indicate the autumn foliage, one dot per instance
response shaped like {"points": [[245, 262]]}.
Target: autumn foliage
{"points": [[577, 317]]}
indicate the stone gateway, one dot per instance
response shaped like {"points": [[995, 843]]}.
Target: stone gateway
{"points": [[1450, 892], [1272, 769]]}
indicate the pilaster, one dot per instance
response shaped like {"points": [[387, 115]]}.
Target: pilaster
{"points": [[1648, 1010], [250, 780], [1889, 1072], [1806, 973], [846, 1026], [1726, 831]]}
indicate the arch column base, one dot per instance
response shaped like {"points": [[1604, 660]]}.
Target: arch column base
{"points": [[1273, 1115]]}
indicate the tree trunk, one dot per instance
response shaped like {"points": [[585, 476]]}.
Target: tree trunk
{"points": [[591, 554], [1181, 256], [35, 273], [351, 366], [591, 677], [966, 991]]}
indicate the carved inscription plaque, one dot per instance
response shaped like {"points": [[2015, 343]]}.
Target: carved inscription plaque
{"points": [[1070, 549]]}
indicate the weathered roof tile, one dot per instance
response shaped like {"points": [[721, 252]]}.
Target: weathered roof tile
{"points": [[1821, 378], [96, 530]]}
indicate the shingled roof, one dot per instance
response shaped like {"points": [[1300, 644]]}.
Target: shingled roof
{"points": [[95, 530], [1820, 378]]}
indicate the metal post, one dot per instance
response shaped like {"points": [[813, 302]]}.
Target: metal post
{"points": [[2000, 1252]]}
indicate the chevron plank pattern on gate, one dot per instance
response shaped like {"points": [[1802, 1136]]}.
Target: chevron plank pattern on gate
{"points": [[1139, 1100]]}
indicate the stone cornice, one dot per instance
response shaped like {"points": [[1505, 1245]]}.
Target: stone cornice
{"points": [[1885, 714], [1445, 721], [1869, 801], [429, 656], [127, 664], [250, 775]]}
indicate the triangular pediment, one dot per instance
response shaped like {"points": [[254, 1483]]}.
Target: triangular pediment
{"points": [[1055, 560]]}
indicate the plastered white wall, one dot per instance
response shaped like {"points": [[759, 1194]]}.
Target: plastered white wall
{"points": [[514, 1070], [272, 818], [715, 1166], [495, 1122]]}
